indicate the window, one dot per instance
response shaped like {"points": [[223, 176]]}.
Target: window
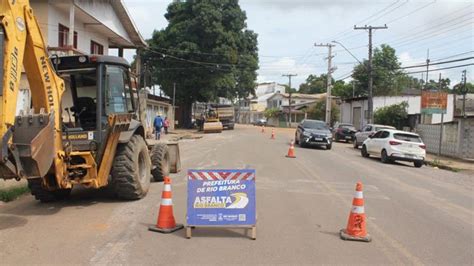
{"points": [[377, 135], [97, 48], [117, 91], [384, 134], [368, 128], [407, 137], [63, 37]]}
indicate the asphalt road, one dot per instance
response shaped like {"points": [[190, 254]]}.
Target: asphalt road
{"points": [[415, 215]]}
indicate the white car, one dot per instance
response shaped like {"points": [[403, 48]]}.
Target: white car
{"points": [[395, 145], [366, 131]]}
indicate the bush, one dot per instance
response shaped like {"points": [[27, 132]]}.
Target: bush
{"points": [[318, 111], [271, 112], [393, 115]]}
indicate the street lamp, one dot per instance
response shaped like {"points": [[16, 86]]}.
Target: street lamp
{"points": [[348, 51]]}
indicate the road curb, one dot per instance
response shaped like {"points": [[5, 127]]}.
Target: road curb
{"points": [[442, 166]]}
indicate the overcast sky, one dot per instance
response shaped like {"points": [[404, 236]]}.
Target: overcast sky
{"points": [[288, 29]]}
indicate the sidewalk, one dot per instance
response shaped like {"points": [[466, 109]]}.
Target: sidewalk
{"points": [[178, 134], [448, 163]]}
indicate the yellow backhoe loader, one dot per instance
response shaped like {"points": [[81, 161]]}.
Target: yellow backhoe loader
{"points": [[83, 125]]}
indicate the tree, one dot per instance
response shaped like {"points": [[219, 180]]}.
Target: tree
{"points": [[207, 50], [318, 111], [392, 115], [271, 112], [314, 84], [385, 69], [287, 89], [434, 84], [342, 89], [458, 88]]}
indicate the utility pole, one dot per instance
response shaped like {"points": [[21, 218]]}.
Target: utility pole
{"points": [[442, 121], [464, 92], [427, 67], [289, 91], [174, 102], [329, 81], [370, 101]]}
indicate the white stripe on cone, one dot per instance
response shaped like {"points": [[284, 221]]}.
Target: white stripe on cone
{"points": [[357, 209], [166, 202], [167, 187], [359, 195]]}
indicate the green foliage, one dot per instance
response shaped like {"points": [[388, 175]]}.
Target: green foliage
{"points": [[318, 111], [314, 84], [287, 89], [10, 194], [392, 115], [342, 89], [458, 88], [271, 112], [206, 49], [385, 71], [434, 85]]}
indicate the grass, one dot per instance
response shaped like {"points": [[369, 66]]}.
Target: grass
{"points": [[10, 194], [440, 165]]}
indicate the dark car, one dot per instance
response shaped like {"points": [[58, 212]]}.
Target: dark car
{"points": [[315, 132], [344, 131], [260, 122]]}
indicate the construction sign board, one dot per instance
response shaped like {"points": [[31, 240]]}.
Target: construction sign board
{"points": [[434, 102], [221, 198]]}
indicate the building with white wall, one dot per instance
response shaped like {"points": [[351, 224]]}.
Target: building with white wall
{"points": [[86, 26], [355, 110], [82, 27], [281, 100]]}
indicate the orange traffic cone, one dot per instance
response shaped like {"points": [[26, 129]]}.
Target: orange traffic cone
{"points": [[291, 150], [165, 222], [273, 134], [263, 129], [357, 222]]}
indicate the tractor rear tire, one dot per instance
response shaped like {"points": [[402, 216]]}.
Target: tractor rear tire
{"points": [[131, 170], [44, 195], [160, 162]]}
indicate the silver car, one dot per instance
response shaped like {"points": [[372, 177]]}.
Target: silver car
{"points": [[367, 131]]}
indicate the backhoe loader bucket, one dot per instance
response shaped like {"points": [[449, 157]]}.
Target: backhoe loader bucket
{"points": [[32, 139], [213, 127]]}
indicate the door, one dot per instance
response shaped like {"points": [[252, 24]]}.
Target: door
{"points": [[379, 141], [372, 145], [356, 116]]}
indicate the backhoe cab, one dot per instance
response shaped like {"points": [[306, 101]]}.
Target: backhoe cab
{"points": [[83, 126]]}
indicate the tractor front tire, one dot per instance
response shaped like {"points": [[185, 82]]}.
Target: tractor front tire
{"points": [[44, 195], [131, 170], [160, 162]]}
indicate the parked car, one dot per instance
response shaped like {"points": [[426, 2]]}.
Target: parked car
{"points": [[260, 122], [313, 132], [369, 129], [395, 145], [344, 131]]}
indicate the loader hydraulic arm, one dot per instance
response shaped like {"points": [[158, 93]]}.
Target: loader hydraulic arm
{"points": [[22, 45]]}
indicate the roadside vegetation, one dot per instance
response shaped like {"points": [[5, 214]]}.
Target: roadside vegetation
{"points": [[9, 194]]}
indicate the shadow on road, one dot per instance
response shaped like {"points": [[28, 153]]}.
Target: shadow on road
{"points": [[80, 198]]}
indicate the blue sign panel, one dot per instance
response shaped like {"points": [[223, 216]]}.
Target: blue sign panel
{"points": [[221, 197]]}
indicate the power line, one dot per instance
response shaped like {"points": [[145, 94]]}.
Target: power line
{"points": [[434, 26], [428, 35], [440, 63], [367, 18], [414, 11], [438, 69]]}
